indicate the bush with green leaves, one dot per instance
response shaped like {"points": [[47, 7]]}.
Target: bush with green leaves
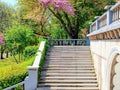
{"points": [[13, 73], [18, 37], [30, 51]]}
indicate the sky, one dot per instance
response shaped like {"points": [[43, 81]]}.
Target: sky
{"points": [[10, 2]]}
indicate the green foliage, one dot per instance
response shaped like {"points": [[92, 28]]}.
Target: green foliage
{"points": [[42, 38], [58, 34], [20, 36], [12, 80], [19, 87], [30, 51], [6, 16], [13, 73]]}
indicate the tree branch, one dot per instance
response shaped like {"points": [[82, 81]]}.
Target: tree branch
{"points": [[58, 16], [68, 20]]}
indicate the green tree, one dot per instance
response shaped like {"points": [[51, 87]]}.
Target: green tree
{"points": [[6, 16], [84, 10], [18, 37], [33, 11]]}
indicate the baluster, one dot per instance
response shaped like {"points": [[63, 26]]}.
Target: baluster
{"points": [[61, 42], [116, 14], [77, 42], [54, 42], [67, 42], [70, 42], [51, 42], [113, 16], [58, 42], [119, 12]]}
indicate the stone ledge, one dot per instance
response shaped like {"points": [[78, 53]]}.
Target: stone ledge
{"points": [[109, 32]]}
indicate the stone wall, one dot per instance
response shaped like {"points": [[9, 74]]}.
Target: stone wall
{"points": [[104, 53]]}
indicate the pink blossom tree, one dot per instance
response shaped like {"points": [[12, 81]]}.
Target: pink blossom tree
{"points": [[64, 8], [1, 39]]}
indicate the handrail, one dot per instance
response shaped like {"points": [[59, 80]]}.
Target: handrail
{"points": [[14, 86], [67, 42], [32, 79], [107, 20]]}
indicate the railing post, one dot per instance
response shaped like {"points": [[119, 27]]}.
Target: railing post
{"points": [[87, 42], [32, 80], [97, 24], [109, 17], [90, 28]]}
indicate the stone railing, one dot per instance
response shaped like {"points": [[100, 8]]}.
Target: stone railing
{"points": [[32, 79], [14, 86], [69, 42], [103, 27]]}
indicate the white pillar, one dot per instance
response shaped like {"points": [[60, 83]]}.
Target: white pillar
{"points": [[109, 17], [32, 79], [97, 24]]}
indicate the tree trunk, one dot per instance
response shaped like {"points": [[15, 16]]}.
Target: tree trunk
{"points": [[2, 55]]}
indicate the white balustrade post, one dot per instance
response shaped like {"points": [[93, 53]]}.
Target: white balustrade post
{"points": [[91, 28], [97, 24], [32, 79], [109, 17]]}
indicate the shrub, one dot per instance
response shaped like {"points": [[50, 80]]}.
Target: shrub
{"points": [[30, 51], [14, 73], [12, 80]]}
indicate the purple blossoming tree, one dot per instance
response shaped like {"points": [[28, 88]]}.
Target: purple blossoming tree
{"points": [[64, 8]]}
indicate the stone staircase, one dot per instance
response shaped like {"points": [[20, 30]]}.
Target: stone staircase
{"points": [[68, 68]]}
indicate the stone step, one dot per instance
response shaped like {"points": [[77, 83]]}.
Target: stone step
{"points": [[68, 74], [68, 84], [67, 78], [67, 88], [72, 66], [69, 49], [68, 81], [68, 55], [49, 64], [70, 71], [69, 52], [64, 63], [66, 50], [69, 58], [67, 61], [67, 68]]}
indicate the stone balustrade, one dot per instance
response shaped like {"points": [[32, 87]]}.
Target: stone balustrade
{"points": [[32, 79], [69, 42], [106, 26]]}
